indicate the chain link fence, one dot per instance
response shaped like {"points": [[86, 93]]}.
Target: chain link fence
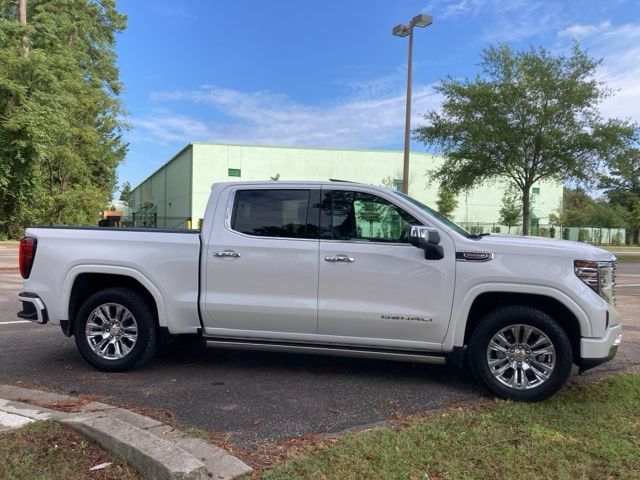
{"points": [[587, 234]]}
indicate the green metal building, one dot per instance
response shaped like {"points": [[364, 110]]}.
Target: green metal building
{"points": [[176, 194]]}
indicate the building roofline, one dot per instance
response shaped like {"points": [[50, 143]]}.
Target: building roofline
{"points": [[182, 150], [294, 147], [340, 149]]}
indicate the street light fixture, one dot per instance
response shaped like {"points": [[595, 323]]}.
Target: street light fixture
{"points": [[402, 30]]}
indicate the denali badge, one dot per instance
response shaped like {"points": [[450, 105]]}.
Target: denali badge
{"points": [[474, 256], [403, 317]]}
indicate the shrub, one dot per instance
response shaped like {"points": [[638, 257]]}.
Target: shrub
{"points": [[584, 235], [616, 239]]}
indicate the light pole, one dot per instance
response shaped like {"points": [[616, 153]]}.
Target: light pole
{"points": [[402, 30]]}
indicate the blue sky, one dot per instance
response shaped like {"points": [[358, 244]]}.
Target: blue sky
{"points": [[329, 72]]}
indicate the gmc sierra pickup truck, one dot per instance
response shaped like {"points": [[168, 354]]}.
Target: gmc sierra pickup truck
{"points": [[336, 268]]}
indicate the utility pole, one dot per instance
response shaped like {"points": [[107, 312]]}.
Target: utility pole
{"points": [[402, 30]]}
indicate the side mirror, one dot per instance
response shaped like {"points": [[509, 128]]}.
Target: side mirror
{"points": [[429, 240]]}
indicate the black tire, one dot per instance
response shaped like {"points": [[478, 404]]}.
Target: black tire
{"points": [[502, 318], [146, 343]]}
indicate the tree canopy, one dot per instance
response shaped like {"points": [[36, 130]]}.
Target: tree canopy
{"points": [[622, 181], [581, 210], [528, 116], [60, 112]]}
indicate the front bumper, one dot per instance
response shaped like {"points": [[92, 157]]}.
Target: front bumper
{"points": [[596, 351], [33, 308]]}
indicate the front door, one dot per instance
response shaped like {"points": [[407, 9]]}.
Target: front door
{"points": [[261, 273], [373, 284]]}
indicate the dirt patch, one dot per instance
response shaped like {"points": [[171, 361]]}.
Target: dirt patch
{"points": [[73, 405]]}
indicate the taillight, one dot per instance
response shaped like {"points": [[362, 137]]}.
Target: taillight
{"points": [[26, 254]]}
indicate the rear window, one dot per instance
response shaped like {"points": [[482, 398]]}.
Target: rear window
{"points": [[271, 213]]}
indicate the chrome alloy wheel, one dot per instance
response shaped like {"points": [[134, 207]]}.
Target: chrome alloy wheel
{"points": [[111, 331], [521, 357]]}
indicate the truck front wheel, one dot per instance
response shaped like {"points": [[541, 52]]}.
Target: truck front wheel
{"points": [[115, 329], [520, 353]]}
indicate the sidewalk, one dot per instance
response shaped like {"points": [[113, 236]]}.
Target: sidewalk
{"points": [[155, 449]]}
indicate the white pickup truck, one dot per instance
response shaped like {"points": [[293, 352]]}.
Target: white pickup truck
{"points": [[332, 267]]}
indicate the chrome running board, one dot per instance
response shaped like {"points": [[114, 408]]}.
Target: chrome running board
{"points": [[338, 351]]}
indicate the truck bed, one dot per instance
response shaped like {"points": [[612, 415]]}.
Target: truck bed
{"points": [[166, 262]]}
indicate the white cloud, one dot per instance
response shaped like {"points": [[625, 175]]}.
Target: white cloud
{"points": [[502, 20], [579, 30], [619, 47], [447, 9], [373, 117], [176, 11], [165, 128]]}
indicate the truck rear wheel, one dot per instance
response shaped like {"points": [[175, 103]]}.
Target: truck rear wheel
{"points": [[520, 353], [115, 329]]}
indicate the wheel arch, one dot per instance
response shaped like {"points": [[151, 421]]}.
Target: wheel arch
{"points": [[84, 282], [563, 315]]}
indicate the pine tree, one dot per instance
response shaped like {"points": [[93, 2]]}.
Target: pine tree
{"points": [[447, 201], [125, 192]]}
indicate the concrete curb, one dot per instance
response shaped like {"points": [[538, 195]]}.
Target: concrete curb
{"points": [[155, 449], [152, 456]]}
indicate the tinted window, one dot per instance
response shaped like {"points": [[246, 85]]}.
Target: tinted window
{"points": [[433, 213], [362, 216], [271, 213]]}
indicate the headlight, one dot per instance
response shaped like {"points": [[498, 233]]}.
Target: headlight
{"points": [[599, 276]]}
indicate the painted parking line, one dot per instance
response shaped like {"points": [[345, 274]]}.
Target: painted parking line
{"points": [[13, 322]]}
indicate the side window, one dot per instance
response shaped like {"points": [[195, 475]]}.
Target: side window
{"points": [[271, 213], [362, 216]]}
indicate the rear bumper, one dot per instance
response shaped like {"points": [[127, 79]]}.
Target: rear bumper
{"points": [[596, 351], [33, 308]]}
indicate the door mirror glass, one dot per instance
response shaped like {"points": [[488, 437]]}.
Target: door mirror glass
{"points": [[429, 240]]}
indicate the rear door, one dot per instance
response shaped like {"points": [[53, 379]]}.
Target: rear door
{"points": [[261, 273], [376, 288]]}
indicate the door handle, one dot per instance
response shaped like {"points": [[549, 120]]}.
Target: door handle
{"points": [[340, 258], [226, 253]]}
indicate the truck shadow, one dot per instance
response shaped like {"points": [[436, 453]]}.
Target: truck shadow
{"points": [[190, 352]]}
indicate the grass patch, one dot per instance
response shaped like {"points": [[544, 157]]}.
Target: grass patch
{"points": [[628, 258], [589, 432], [51, 451], [8, 244]]}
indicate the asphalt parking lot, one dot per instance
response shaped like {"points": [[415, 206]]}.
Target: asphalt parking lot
{"points": [[256, 397]]}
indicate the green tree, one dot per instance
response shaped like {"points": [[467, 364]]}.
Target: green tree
{"points": [[528, 116], [511, 209], [606, 215], [125, 192], [370, 212], [577, 208], [621, 184], [60, 113], [447, 201]]}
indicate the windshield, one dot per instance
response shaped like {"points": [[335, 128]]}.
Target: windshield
{"points": [[433, 213]]}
